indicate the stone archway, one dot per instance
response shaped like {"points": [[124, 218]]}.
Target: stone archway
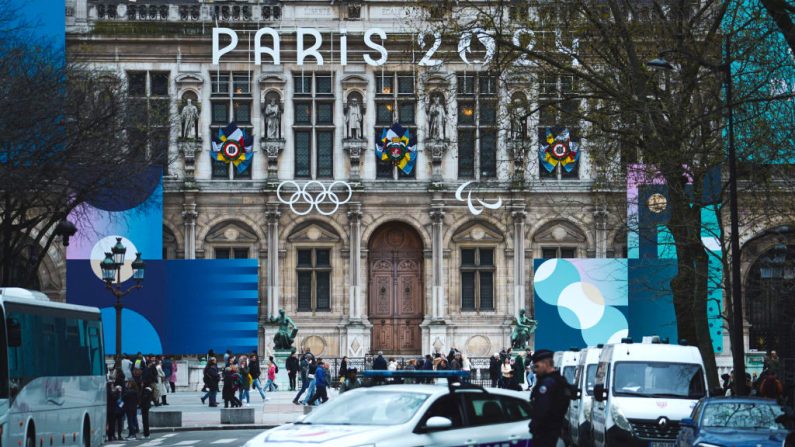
{"points": [[395, 301], [770, 300]]}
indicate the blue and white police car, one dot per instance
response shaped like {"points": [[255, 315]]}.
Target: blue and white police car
{"points": [[414, 415]]}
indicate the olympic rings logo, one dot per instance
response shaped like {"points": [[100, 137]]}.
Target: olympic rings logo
{"points": [[313, 195]]}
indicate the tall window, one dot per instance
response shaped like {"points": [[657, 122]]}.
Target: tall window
{"points": [[477, 125], [395, 101], [148, 117], [558, 112], [477, 279], [231, 252], [313, 125], [558, 252], [314, 280], [231, 102]]}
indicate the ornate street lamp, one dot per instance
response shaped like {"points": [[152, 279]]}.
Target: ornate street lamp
{"points": [[111, 270]]}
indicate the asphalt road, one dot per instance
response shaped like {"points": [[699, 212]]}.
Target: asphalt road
{"points": [[206, 438]]}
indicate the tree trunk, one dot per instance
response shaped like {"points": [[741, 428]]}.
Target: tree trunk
{"points": [[690, 285]]}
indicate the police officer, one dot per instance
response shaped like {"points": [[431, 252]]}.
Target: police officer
{"points": [[549, 401]]}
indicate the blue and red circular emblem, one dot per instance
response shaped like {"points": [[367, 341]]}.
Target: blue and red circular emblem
{"points": [[559, 150], [232, 150]]}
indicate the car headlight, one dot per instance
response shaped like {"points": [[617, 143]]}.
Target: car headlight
{"points": [[619, 419]]}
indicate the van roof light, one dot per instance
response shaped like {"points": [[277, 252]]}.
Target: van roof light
{"points": [[627, 340]]}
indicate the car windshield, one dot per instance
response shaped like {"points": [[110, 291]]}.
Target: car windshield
{"points": [[590, 379], [659, 379], [742, 415], [373, 406]]}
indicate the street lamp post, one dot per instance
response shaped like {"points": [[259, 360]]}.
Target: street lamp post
{"points": [[738, 347], [111, 271]]}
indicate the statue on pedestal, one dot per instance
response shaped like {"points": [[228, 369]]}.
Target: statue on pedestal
{"points": [[287, 331], [522, 331], [189, 117], [437, 119], [272, 120], [353, 119]]}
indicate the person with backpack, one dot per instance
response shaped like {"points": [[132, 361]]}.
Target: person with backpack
{"points": [[550, 400]]}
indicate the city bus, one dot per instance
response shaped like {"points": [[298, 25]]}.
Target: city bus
{"points": [[52, 372]]}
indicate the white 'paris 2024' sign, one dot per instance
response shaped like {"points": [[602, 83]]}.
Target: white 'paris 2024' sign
{"points": [[310, 40]]}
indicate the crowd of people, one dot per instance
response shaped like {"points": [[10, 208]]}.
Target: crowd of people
{"points": [[137, 384], [236, 378], [767, 384]]}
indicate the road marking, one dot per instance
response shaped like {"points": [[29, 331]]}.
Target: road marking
{"points": [[169, 435], [224, 441], [152, 443], [186, 442]]}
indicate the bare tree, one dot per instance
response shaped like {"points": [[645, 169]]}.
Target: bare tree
{"points": [[782, 12], [668, 124], [65, 144]]}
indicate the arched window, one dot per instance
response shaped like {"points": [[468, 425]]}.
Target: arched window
{"points": [[231, 240], [559, 239], [770, 301]]}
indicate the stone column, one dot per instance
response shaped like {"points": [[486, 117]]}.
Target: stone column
{"points": [[354, 294], [600, 216], [272, 214], [438, 294], [189, 215], [519, 216]]}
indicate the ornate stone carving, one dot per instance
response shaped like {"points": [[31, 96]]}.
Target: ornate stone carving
{"points": [[272, 149], [189, 149], [355, 148]]}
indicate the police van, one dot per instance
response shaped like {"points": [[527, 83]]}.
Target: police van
{"points": [[642, 391], [566, 363], [579, 415]]}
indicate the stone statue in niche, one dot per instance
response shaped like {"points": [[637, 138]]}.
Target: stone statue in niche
{"points": [[437, 119], [189, 118], [518, 121], [272, 120], [287, 331], [353, 118]]}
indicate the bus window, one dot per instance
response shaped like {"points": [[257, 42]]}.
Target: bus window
{"points": [[95, 348]]}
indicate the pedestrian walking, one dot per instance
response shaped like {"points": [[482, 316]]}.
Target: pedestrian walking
{"points": [[211, 379], [126, 368], [343, 371], [170, 370], [304, 365], [231, 384], [256, 372], [321, 383], [293, 367], [312, 370], [245, 380], [549, 401], [116, 423], [272, 370]]}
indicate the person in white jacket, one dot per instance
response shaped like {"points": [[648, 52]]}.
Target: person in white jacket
{"points": [[161, 381]]}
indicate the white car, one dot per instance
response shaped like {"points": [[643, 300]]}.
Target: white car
{"points": [[409, 416]]}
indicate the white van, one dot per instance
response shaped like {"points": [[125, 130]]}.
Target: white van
{"points": [[567, 368], [566, 363], [579, 415], [643, 390]]}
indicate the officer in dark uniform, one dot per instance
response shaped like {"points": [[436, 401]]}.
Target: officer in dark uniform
{"points": [[549, 401]]}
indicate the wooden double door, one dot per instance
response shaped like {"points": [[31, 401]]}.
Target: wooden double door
{"points": [[395, 289]]}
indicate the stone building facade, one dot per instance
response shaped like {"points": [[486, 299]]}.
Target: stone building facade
{"points": [[404, 266]]}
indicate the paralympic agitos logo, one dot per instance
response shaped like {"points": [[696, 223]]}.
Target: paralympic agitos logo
{"points": [[309, 42]]}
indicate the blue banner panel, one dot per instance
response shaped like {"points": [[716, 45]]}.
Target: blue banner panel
{"points": [[184, 306], [212, 303], [650, 300]]}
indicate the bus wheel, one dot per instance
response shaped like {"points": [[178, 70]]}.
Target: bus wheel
{"points": [[86, 433]]}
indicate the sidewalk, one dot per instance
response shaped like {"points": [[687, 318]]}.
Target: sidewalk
{"points": [[277, 411]]}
